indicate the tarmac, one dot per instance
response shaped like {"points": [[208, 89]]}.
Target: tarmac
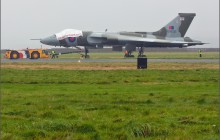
{"points": [[107, 60]]}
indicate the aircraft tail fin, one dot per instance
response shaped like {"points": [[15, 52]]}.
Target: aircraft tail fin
{"points": [[177, 27]]}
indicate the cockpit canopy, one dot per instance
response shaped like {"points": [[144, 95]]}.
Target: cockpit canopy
{"points": [[68, 33]]}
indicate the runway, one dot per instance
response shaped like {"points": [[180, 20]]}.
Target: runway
{"points": [[108, 60]]}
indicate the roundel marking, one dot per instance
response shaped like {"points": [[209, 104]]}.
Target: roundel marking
{"points": [[72, 39]]}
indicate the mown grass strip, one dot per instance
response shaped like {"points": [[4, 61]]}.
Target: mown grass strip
{"points": [[119, 104]]}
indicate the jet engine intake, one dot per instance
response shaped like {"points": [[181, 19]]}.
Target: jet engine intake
{"points": [[185, 45]]}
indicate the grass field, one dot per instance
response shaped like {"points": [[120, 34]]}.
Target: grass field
{"points": [[167, 101]]}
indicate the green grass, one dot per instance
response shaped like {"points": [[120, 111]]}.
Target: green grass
{"points": [[152, 55], [132, 104]]}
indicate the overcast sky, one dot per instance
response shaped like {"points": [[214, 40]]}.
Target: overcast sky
{"points": [[22, 20]]}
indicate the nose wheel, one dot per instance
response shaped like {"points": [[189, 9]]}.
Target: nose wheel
{"points": [[85, 55]]}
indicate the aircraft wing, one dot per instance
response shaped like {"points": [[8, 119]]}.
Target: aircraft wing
{"points": [[126, 38], [140, 39], [132, 39], [136, 40]]}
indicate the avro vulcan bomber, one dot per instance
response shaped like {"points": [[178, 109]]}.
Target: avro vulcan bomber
{"points": [[171, 35]]}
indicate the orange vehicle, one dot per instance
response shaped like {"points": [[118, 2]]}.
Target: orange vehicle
{"points": [[28, 53]]}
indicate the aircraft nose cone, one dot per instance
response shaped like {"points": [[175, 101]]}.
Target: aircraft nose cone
{"points": [[45, 40], [51, 40], [42, 41]]}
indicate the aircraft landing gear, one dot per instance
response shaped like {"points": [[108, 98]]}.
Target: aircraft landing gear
{"points": [[141, 52], [128, 53], [86, 53]]}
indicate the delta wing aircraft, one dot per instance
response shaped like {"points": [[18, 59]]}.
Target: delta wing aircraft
{"points": [[171, 35]]}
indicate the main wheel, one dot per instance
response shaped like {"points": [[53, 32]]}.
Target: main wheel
{"points": [[35, 55], [87, 56], [14, 55]]}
